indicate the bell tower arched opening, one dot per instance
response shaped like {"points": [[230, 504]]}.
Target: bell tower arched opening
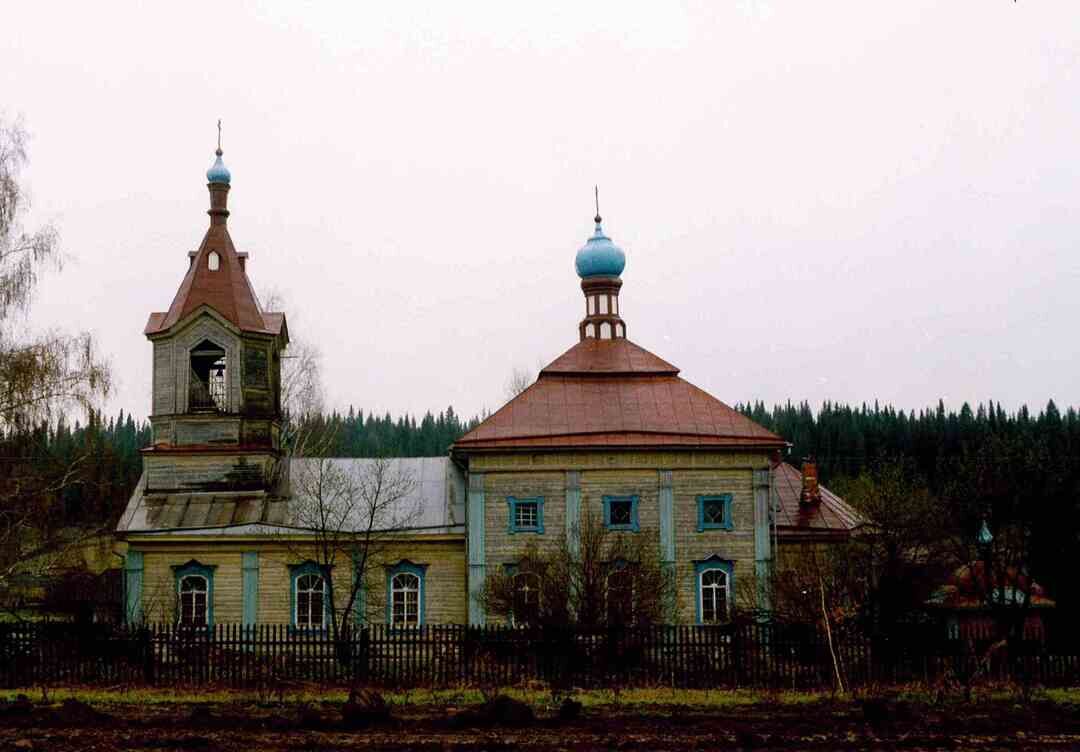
{"points": [[209, 382]]}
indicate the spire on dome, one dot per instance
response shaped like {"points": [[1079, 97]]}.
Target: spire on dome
{"points": [[599, 263], [218, 179], [218, 172], [599, 257]]}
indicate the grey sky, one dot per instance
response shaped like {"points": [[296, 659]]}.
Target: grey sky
{"points": [[817, 200]]}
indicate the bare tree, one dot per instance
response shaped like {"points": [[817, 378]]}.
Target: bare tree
{"points": [[520, 380], [602, 578], [347, 514], [900, 549], [819, 586], [301, 387], [41, 374]]}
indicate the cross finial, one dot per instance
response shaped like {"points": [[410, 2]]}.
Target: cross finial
{"points": [[219, 137], [596, 191]]}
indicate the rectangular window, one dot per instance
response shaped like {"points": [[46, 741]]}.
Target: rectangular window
{"points": [[406, 608], [525, 515], [714, 512], [621, 513], [193, 609]]}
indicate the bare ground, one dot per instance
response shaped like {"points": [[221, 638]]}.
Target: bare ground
{"points": [[818, 724]]}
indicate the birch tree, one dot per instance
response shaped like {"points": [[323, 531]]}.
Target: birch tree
{"points": [[42, 374]]}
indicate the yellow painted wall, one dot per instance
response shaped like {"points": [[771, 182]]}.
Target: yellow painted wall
{"points": [[444, 580], [629, 473]]}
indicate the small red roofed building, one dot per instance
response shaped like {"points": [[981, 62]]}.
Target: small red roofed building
{"points": [[975, 597]]}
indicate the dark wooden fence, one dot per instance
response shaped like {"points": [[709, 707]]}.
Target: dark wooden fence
{"points": [[275, 656]]}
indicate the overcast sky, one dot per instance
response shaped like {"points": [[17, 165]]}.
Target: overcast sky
{"points": [[817, 200]]}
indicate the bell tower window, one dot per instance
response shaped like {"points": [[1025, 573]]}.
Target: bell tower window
{"points": [[208, 378], [213, 261]]}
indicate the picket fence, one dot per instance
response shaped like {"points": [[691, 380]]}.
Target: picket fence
{"points": [[278, 656]]}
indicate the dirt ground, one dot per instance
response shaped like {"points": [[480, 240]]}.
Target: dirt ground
{"points": [[817, 724]]}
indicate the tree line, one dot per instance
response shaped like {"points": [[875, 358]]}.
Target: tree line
{"points": [[846, 440], [354, 434], [90, 470], [929, 481]]}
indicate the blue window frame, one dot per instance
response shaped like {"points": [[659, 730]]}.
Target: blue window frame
{"points": [[405, 591], [714, 512], [194, 594], [309, 596], [714, 586], [526, 514], [621, 513]]}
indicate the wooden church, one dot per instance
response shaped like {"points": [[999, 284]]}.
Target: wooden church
{"points": [[216, 533]]}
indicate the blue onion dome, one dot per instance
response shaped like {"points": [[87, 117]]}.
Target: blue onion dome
{"points": [[599, 257], [218, 172]]}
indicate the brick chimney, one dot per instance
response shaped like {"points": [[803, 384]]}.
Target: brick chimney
{"points": [[811, 491]]}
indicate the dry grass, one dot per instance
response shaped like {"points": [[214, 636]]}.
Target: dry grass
{"points": [[655, 698]]}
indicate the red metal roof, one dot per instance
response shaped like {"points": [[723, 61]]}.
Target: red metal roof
{"points": [[831, 514], [609, 356], [227, 290], [613, 393]]}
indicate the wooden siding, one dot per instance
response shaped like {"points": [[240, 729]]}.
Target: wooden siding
{"points": [[445, 598]]}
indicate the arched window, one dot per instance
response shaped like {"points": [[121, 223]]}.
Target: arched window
{"points": [[213, 261], [526, 598], [605, 330], [714, 576], [310, 601], [620, 593], [194, 594], [208, 388], [405, 600], [194, 599]]}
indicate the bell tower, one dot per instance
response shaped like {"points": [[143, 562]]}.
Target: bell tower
{"points": [[216, 406]]}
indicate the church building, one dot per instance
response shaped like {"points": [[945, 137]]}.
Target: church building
{"points": [[216, 531]]}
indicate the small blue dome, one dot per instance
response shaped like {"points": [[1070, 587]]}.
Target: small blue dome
{"points": [[599, 257], [218, 172]]}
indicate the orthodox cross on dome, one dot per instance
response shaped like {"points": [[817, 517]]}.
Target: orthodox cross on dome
{"points": [[599, 263], [218, 179], [218, 172]]}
